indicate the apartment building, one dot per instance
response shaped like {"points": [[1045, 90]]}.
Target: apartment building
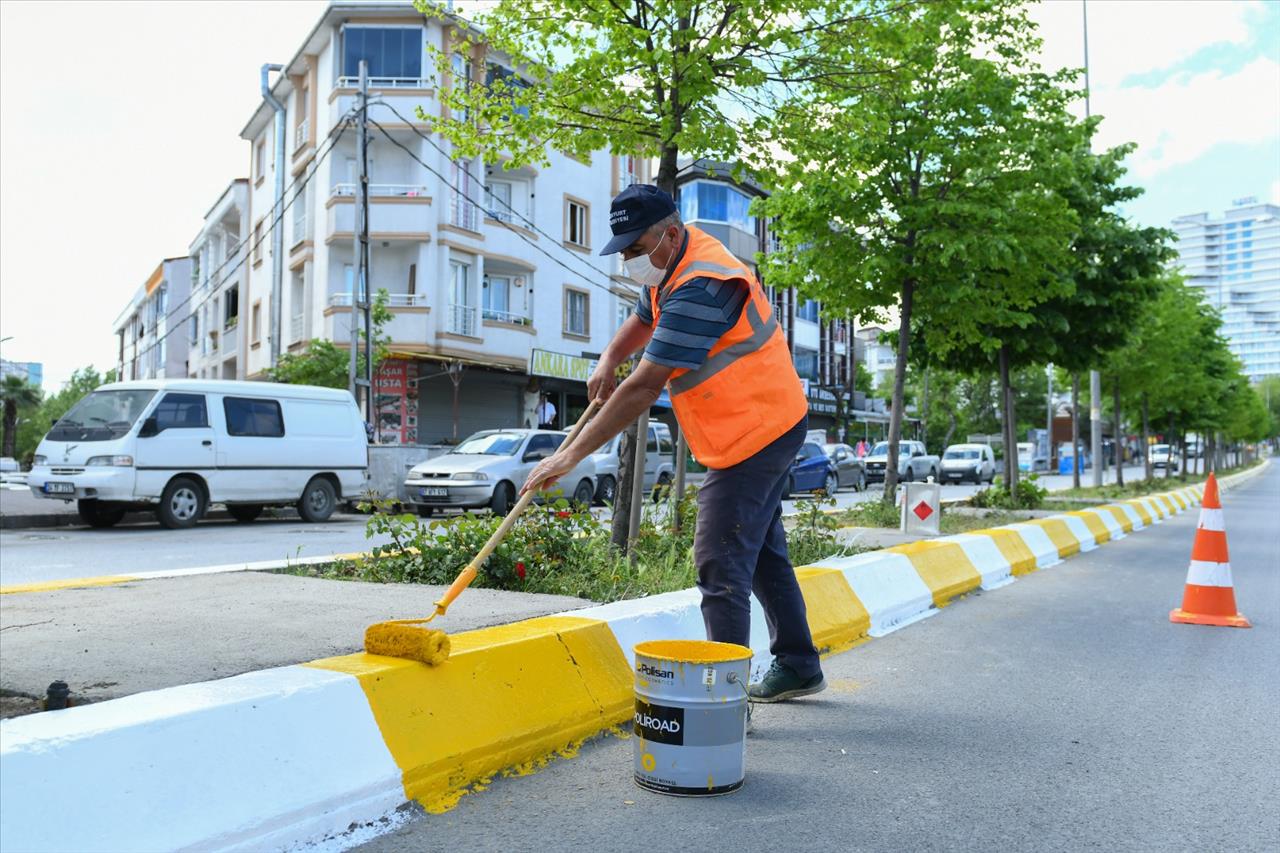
{"points": [[150, 344], [215, 334], [495, 290], [881, 359], [1234, 261]]}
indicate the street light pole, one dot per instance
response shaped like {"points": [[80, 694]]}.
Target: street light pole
{"points": [[1095, 378]]}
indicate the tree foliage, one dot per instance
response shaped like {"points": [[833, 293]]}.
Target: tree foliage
{"points": [[33, 421], [325, 364]]}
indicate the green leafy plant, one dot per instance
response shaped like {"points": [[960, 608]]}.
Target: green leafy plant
{"points": [[814, 537], [1027, 494]]}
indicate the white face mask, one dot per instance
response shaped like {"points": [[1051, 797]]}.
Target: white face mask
{"points": [[641, 269]]}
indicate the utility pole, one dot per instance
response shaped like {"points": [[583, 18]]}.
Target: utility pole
{"points": [[360, 309], [277, 220], [1095, 378], [1048, 424]]}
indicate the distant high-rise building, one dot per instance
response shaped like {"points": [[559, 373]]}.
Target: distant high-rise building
{"points": [[32, 371], [1235, 262]]}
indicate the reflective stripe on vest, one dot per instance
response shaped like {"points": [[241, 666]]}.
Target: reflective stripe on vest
{"points": [[706, 266], [760, 334]]}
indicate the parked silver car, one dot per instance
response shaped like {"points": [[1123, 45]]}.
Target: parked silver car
{"points": [[1164, 456], [659, 464], [974, 462], [488, 469], [849, 468]]}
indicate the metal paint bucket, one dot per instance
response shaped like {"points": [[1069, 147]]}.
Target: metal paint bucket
{"points": [[691, 716]]}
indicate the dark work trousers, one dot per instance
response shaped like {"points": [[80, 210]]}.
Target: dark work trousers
{"points": [[740, 547]]}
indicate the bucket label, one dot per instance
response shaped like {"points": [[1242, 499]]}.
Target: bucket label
{"points": [[656, 672], [709, 677], [659, 723]]}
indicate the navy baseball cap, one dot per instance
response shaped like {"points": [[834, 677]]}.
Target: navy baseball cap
{"points": [[633, 211]]}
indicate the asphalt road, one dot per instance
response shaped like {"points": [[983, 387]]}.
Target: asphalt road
{"points": [[1063, 712], [49, 554]]}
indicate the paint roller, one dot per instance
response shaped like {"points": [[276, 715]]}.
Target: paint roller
{"points": [[410, 638]]}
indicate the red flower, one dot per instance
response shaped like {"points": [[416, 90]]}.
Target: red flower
{"points": [[520, 570], [563, 513]]}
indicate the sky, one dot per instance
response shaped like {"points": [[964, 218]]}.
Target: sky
{"points": [[112, 149]]}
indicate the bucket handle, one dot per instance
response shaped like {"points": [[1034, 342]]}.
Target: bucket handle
{"points": [[732, 678]]}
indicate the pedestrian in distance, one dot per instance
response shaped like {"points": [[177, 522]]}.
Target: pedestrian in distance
{"points": [[546, 414], [710, 337]]}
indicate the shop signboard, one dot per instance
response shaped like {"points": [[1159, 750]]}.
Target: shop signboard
{"points": [[397, 401]]}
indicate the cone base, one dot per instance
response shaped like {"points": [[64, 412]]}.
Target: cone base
{"points": [[1237, 621]]}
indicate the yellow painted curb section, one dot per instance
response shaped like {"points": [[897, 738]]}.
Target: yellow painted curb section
{"points": [[1160, 508], [1013, 548], [943, 566], [1099, 530], [1122, 518], [1060, 535], [1168, 504], [508, 697], [1143, 513], [838, 620], [1179, 499], [71, 583]]}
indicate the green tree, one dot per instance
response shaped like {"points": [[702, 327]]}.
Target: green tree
{"points": [[18, 395], [325, 364], [932, 186], [645, 78], [31, 430]]}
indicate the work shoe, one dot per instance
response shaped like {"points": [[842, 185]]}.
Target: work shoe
{"points": [[781, 683]]}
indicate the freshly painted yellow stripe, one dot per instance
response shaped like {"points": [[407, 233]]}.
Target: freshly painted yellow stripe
{"points": [[1122, 518], [1154, 503], [1099, 530], [837, 618], [71, 583], [1163, 499], [1143, 513], [1060, 535], [1013, 548], [508, 696], [943, 566], [1179, 498]]}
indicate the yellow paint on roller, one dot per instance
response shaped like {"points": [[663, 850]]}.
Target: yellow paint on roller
{"points": [[507, 697], [70, 583], [1122, 518], [838, 620], [943, 566], [1099, 530], [692, 651], [1060, 535], [407, 638], [1013, 548]]}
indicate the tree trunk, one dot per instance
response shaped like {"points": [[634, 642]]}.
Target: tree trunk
{"points": [[1009, 424], [1146, 439], [10, 428], [1117, 438], [1168, 463], [1075, 431], [951, 428], [899, 381]]}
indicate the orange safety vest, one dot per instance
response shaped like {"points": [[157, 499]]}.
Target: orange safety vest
{"points": [[746, 394]]}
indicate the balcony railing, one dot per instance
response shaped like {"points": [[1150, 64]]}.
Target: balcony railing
{"points": [[302, 133], [394, 300], [386, 83], [297, 327], [348, 190], [463, 213], [462, 320], [505, 317]]}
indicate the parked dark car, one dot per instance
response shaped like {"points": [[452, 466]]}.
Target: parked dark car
{"points": [[812, 471], [849, 468]]}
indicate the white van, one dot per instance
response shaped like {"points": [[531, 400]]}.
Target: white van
{"points": [[179, 445]]}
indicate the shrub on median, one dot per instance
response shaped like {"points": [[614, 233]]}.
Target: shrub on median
{"points": [[1028, 495]]}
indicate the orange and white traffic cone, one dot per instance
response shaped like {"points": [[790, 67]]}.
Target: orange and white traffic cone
{"points": [[1210, 598]]}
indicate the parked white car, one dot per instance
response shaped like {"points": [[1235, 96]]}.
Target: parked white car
{"points": [[179, 445], [974, 462], [1164, 456], [659, 464], [487, 470]]}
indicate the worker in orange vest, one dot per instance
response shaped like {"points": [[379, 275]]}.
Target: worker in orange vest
{"points": [[711, 339]]}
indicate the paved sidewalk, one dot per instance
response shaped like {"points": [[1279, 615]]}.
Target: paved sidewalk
{"points": [[112, 641]]}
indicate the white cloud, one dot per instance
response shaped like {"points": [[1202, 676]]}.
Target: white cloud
{"points": [[1177, 122]]}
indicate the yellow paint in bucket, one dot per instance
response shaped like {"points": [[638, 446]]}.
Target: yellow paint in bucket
{"points": [[690, 716]]}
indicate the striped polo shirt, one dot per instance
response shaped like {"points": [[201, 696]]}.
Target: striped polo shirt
{"points": [[693, 318]]}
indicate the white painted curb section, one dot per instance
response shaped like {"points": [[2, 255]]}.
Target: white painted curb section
{"points": [[986, 558], [251, 762], [1108, 521], [888, 586], [1039, 543], [1081, 531], [1132, 513]]}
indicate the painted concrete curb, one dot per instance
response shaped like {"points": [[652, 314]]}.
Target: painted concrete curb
{"points": [[277, 758]]}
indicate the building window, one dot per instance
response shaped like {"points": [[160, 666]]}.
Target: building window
{"points": [[629, 172], [622, 310], [807, 363], [509, 80], [193, 329], [231, 306], [711, 201], [808, 310], [247, 416], [496, 298], [463, 213], [255, 324], [462, 313], [497, 200], [393, 54], [257, 243], [299, 209], [577, 312], [462, 72], [260, 159], [575, 223]]}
